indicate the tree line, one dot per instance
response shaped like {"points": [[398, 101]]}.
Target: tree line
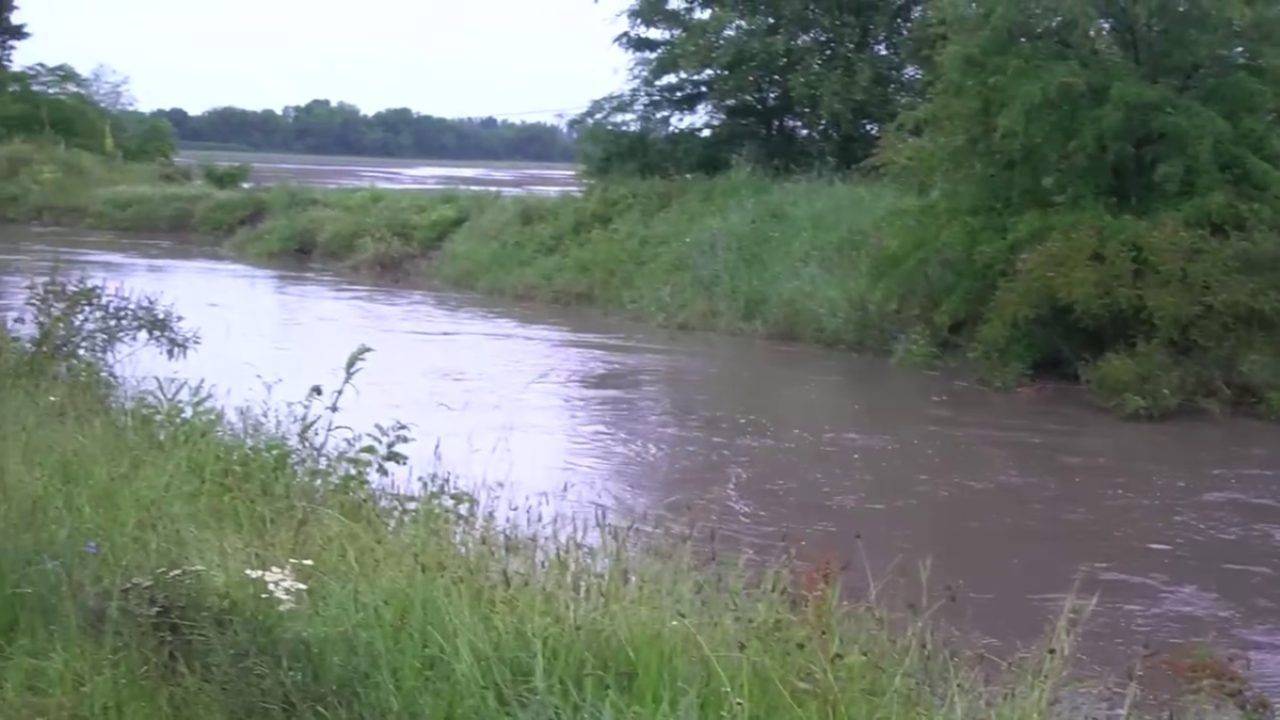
{"points": [[328, 128]]}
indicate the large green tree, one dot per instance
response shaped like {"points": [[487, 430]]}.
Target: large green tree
{"points": [[1102, 194], [782, 84]]}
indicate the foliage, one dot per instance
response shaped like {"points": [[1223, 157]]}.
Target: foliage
{"points": [[325, 128], [39, 182], [57, 104], [777, 84], [1101, 184], [109, 89], [165, 560], [370, 229], [140, 138], [50, 102], [11, 33], [226, 177], [82, 322]]}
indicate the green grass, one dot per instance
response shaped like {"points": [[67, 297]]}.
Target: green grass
{"points": [[129, 527], [739, 254]]}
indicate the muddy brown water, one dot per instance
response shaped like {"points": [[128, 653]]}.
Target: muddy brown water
{"points": [[1176, 525]]}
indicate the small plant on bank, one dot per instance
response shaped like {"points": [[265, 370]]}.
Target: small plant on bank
{"points": [[78, 322]]}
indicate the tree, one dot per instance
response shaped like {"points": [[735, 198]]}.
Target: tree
{"points": [[11, 33], [141, 137], [109, 88], [1103, 193], [50, 101], [781, 84]]}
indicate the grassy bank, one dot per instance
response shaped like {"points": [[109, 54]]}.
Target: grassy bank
{"points": [[1151, 318], [162, 560]]}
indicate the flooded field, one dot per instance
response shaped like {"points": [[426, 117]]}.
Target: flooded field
{"points": [[336, 171], [1175, 526]]}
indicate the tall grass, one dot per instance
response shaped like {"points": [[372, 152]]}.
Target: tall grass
{"points": [[740, 254], [164, 560]]}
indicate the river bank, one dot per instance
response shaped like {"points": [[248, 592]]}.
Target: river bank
{"points": [[164, 559], [810, 260]]}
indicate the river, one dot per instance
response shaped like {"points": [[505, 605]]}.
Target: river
{"points": [[1176, 525]]}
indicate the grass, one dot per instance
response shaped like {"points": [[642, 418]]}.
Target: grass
{"points": [[739, 254], [152, 545]]}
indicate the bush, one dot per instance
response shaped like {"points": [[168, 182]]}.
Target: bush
{"points": [[1097, 193], [1145, 382], [224, 213], [47, 183], [226, 177], [146, 208], [174, 173]]}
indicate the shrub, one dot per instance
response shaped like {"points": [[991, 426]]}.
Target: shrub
{"points": [[147, 208], [226, 177], [224, 213], [1145, 382], [1096, 188]]}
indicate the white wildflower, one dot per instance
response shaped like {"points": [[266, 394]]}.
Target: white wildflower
{"points": [[282, 585]]}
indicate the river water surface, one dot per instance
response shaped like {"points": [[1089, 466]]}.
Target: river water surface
{"points": [[1175, 525]]}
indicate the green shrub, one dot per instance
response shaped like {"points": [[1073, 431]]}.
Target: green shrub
{"points": [[1093, 187], [174, 173], [224, 213], [1145, 382], [226, 177], [294, 233], [148, 208], [46, 183]]}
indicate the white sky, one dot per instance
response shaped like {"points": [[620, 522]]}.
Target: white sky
{"points": [[452, 58]]}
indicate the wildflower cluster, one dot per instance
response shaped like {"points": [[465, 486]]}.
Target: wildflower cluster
{"points": [[282, 584]]}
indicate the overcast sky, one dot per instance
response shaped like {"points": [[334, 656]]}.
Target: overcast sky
{"points": [[445, 57]]}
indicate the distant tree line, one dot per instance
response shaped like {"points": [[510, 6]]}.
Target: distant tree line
{"points": [[324, 127]]}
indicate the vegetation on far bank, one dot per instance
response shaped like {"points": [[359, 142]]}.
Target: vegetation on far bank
{"points": [[164, 559], [322, 127], [1161, 321]]}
